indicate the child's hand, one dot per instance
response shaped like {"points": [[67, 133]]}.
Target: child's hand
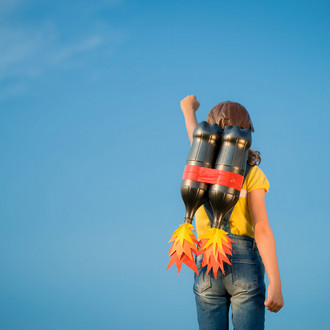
{"points": [[189, 103], [274, 301]]}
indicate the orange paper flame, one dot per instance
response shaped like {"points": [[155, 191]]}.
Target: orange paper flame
{"points": [[215, 245], [183, 247]]}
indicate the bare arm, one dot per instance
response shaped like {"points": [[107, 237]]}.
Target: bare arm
{"points": [[189, 106], [266, 246]]}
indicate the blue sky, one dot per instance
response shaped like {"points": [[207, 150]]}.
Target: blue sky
{"points": [[93, 147]]}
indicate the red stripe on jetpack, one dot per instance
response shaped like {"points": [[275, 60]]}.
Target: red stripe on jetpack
{"points": [[213, 176], [200, 174]]}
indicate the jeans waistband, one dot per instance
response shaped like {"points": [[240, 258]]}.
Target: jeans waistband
{"points": [[243, 240]]}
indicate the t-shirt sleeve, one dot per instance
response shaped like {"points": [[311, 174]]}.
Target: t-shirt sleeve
{"points": [[257, 179]]}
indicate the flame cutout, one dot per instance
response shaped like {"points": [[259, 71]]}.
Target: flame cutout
{"points": [[183, 247], [215, 245]]}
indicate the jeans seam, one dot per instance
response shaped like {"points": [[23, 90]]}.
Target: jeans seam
{"points": [[251, 262]]}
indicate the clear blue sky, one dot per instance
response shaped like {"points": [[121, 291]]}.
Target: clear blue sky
{"points": [[93, 147]]}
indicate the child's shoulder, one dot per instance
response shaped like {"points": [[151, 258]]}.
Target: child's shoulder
{"points": [[256, 179], [256, 170]]}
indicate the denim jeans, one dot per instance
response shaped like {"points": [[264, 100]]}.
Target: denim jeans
{"points": [[242, 286]]}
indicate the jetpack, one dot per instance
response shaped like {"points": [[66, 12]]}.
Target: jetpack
{"points": [[214, 172]]}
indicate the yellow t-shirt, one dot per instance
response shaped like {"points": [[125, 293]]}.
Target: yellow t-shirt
{"points": [[240, 220]]}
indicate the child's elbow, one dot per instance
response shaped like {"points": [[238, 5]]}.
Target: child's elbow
{"points": [[261, 229]]}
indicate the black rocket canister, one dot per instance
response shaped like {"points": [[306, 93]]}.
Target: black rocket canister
{"points": [[194, 191], [224, 193], [203, 151], [231, 162]]}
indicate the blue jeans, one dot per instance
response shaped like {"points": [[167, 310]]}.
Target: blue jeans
{"points": [[242, 286]]}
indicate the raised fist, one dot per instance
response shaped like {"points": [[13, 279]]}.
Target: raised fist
{"points": [[189, 103]]}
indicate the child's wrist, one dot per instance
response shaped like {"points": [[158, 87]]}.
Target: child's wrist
{"points": [[188, 111], [275, 283]]}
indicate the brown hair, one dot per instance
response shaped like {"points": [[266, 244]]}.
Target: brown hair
{"points": [[232, 113]]}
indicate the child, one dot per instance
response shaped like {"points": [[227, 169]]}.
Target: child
{"points": [[243, 284]]}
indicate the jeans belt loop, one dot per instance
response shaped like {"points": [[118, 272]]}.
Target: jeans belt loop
{"points": [[254, 246]]}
